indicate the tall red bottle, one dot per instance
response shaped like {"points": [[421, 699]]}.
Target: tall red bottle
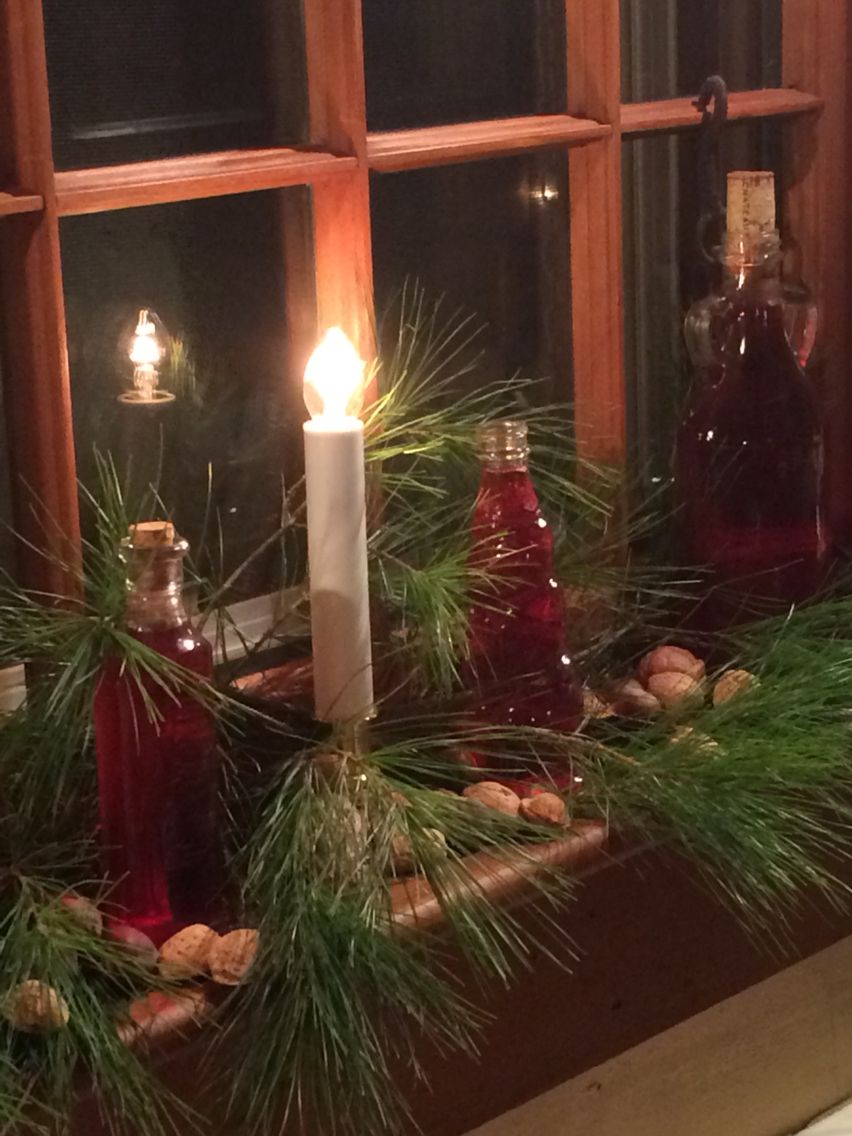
{"points": [[158, 774], [750, 448], [517, 634]]}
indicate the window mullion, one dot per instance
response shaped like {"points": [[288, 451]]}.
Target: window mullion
{"points": [[594, 91], [37, 389], [341, 209], [815, 59]]}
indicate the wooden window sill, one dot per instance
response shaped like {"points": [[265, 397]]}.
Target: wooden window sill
{"points": [[653, 949]]}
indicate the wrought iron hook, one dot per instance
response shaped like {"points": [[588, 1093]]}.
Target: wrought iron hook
{"points": [[711, 188]]}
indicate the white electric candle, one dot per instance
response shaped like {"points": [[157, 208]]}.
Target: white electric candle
{"points": [[337, 532]]}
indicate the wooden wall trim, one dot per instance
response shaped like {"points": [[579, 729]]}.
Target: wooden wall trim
{"points": [[594, 78], [37, 392]]}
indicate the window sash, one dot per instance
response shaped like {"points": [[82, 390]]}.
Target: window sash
{"points": [[334, 285]]}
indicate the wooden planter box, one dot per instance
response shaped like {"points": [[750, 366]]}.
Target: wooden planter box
{"points": [[653, 949]]}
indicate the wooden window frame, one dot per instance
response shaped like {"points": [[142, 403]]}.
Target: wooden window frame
{"points": [[334, 285]]}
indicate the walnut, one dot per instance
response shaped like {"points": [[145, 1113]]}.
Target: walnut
{"points": [[669, 659], [673, 688], [732, 683], [186, 954], [159, 1011], [632, 699], [594, 707], [544, 808], [493, 795], [35, 1007], [697, 740], [136, 943], [232, 956], [84, 913]]}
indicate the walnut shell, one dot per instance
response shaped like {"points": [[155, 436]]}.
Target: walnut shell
{"points": [[136, 943], [669, 659], [232, 956], [673, 688], [594, 707], [159, 1012], [544, 808], [35, 1007], [632, 699], [702, 742], [84, 913], [493, 795], [186, 954], [731, 684]]}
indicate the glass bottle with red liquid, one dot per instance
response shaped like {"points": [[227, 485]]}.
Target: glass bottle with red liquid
{"points": [[158, 774], [523, 673], [750, 448]]}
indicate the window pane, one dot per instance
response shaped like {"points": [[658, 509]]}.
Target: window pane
{"points": [[665, 271], [493, 239], [213, 271], [671, 46], [438, 61], [156, 78]]}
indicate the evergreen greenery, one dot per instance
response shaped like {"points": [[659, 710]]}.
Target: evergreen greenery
{"points": [[343, 993]]}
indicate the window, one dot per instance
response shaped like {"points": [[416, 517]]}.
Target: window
{"points": [[490, 238], [258, 171]]}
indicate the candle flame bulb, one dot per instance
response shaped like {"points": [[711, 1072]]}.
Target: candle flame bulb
{"points": [[145, 349], [146, 346], [334, 378]]}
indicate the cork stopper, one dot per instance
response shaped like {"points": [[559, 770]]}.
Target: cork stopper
{"points": [[152, 534], [751, 211]]}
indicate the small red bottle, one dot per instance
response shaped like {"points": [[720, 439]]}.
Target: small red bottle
{"points": [[158, 775], [750, 448], [517, 635]]}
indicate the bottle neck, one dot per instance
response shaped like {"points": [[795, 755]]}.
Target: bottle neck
{"points": [[505, 463], [155, 589], [753, 266]]}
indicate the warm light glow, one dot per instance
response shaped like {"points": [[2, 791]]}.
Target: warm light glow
{"points": [[145, 350], [146, 343], [334, 378], [544, 194]]}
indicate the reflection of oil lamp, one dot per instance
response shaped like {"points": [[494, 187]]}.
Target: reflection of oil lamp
{"points": [[147, 347]]}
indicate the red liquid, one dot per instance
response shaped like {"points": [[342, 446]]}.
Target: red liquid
{"points": [[158, 789], [749, 467], [517, 628]]}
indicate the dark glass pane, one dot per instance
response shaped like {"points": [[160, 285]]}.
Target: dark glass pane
{"points": [[492, 238], [156, 78], [213, 271], [670, 46], [665, 271], [438, 61]]}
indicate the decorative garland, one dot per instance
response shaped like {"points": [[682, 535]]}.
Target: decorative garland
{"points": [[743, 764]]}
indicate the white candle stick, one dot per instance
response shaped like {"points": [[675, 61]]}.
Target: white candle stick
{"points": [[337, 532]]}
